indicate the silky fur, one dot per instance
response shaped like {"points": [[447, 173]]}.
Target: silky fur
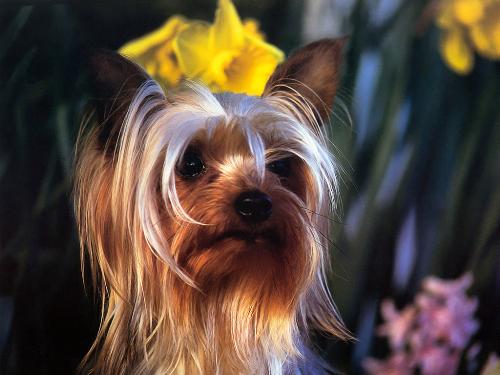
{"points": [[182, 292]]}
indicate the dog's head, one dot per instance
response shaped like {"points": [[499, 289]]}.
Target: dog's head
{"points": [[205, 216]]}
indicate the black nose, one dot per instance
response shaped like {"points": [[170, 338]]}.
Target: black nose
{"points": [[253, 206]]}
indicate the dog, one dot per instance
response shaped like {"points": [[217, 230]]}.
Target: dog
{"points": [[205, 217]]}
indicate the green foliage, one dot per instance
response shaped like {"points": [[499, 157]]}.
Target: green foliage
{"points": [[426, 159]]}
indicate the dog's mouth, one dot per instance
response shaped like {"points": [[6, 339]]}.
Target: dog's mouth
{"points": [[250, 236]]}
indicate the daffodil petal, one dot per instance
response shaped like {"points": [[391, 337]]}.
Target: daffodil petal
{"points": [[249, 71], [155, 38], [485, 35], [456, 52], [496, 42], [154, 51], [251, 27], [468, 12], [167, 70], [192, 49], [273, 51], [480, 39], [227, 31], [217, 71]]}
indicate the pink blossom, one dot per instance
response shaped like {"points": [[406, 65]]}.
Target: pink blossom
{"points": [[397, 324], [432, 357], [436, 360], [397, 364], [462, 325], [443, 288], [448, 318], [430, 334]]}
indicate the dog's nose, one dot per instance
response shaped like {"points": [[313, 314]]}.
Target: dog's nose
{"points": [[253, 206]]}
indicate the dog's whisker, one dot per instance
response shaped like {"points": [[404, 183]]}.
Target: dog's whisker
{"points": [[327, 239], [323, 216]]}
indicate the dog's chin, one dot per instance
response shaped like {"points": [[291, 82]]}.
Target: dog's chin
{"points": [[236, 255]]}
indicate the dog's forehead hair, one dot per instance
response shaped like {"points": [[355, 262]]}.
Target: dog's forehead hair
{"points": [[227, 139], [247, 121], [227, 143]]}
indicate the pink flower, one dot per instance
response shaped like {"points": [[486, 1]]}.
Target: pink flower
{"points": [[446, 313], [397, 364], [443, 288], [462, 325], [436, 360], [430, 335], [397, 324]]}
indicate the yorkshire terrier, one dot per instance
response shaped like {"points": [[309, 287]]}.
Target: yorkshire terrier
{"points": [[205, 220]]}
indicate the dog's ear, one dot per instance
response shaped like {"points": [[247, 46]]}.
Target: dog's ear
{"points": [[312, 72], [114, 82]]}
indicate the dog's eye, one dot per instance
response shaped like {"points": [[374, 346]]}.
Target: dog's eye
{"points": [[280, 167], [191, 165]]}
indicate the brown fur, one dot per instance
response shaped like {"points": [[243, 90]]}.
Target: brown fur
{"points": [[188, 287], [312, 72]]}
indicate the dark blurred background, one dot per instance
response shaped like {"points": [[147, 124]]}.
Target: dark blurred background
{"points": [[421, 154]]}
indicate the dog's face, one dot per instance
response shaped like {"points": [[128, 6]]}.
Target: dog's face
{"points": [[209, 213], [246, 179]]}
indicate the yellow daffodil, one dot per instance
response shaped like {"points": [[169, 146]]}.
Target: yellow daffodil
{"points": [[485, 35], [469, 25], [228, 55], [456, 51], [468, 12], [251, 27], [154, 51]]}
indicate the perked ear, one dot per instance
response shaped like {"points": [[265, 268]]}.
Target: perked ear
{"points": [[311, 72], [114, 81]]}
